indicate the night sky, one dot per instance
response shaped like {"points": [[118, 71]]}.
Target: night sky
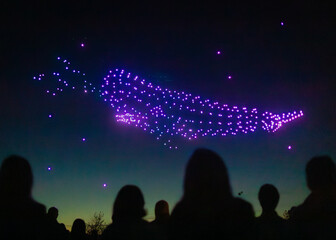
{"points": [[280, 57]]}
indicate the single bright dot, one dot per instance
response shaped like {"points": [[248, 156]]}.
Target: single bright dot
{"points": [[282, 23], [229, 77], [50, 116], [218, 52], [104, 185], [58, 58], [83, 139], [82, 44], [49, 169], [289, 147]]}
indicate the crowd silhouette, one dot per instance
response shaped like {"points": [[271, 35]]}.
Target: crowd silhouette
{"points": [[56, 230], [207, 209]]}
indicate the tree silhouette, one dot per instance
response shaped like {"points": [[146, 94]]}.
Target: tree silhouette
{"points": [[96, 224]]}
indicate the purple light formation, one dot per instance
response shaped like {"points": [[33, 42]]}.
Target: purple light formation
{"points": [[168, 114]]}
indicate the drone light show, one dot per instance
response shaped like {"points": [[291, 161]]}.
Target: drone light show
{"points": [[165, 113]]}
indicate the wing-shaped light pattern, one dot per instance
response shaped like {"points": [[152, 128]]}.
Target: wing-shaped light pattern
{"points": [[168, 113]]}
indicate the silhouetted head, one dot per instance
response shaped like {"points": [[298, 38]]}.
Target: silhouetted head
{"points": [[161, 209], [268, 197], [129, 204], [52, 213], [78, 227], [321, 174], [16, 177], [206, 176]]}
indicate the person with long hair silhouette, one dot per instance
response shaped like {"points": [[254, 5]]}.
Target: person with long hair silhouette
{"points": [[127, 217], [21, 217], [207, 209]]}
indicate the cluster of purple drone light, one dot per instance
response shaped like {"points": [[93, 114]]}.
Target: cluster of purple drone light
{"points": [[168, 113], [72, 83]]}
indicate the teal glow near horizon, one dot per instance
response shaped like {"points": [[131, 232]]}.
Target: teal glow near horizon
{"points": [[74, 185], [239, 54]]}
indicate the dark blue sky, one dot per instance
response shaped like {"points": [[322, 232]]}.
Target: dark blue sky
{"points": [[273, 67]]}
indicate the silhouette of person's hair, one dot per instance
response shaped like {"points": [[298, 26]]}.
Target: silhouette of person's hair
{"points": [[315, 217], [21, 217], [206, 176], [207, 209], [16, 177], [161, 210], [321, 174], [52, 213], [160, 223], [129, 203], [128, 211], [268, 197], [78, 229]]}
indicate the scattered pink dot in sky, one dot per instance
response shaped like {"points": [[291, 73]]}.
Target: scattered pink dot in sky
{"points": [[218, 52], [104, 185], [282, 23], [82, 44], [50, 116], [289, 147], [83, 139], [229, 77], [49, 168]]}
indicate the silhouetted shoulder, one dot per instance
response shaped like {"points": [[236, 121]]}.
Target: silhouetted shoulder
{"points": [[235, 208], [242, 217], [38, 208], [21, 217], [316, 207], [132, 230], [243, 208], [315, 218], [128, 211], [180, 214], [274, 218], [177, 210], [231, 219]]}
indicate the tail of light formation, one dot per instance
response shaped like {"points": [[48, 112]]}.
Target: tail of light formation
{"points": [[166, 113]]}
